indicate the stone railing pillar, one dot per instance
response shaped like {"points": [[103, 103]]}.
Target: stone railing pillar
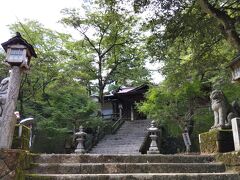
{"points": [[153, 130], [80, 140]]}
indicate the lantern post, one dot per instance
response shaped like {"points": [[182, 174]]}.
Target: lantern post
{"points": [[19, 53]]}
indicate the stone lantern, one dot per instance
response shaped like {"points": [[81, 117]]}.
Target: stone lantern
{"points": [[153, 130], [235, 67], [19, 53], [80, 141]]}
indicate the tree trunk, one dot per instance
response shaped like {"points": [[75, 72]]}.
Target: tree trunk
{"points": [[100, 81], [101, 96], [228, 24]]}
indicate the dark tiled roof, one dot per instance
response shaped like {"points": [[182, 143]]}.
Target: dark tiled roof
{"points": [[132, 90]]}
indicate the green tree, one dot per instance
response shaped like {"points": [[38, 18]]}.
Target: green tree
{"points": [[57, 102], [195, 41], [109, 47], [44, 69]]}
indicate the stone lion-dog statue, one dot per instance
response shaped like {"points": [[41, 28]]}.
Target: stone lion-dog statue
{"points": [[223, 111]]}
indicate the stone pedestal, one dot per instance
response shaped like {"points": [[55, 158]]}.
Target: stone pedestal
{"points": [[216, 141], [236, 133]]}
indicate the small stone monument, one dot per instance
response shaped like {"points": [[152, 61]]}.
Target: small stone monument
{"points": [[186, 140], [80, 139], [153, 135]]}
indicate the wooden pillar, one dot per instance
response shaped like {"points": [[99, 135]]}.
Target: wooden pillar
{"points": [[8, 121]]}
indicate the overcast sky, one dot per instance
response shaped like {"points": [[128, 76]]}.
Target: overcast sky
{"points": [[46, 12]]}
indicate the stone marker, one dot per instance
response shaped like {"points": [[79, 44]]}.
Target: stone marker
{"points": [[236, 133], [186, 140]]}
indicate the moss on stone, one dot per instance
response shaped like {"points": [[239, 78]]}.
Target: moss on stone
{"points": [[23, 141], [208, 142], [17, 161], [231, 160], [24, 162], [216, 141]]}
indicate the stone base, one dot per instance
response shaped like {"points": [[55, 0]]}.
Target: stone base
{"points": [[80, 151], [216, 141], [153, 152]]}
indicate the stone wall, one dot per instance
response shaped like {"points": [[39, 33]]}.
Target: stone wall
{"points": [[13, 162]]}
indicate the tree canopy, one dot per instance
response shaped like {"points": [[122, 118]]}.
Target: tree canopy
{"points": [[110, 45], [195, 41]]}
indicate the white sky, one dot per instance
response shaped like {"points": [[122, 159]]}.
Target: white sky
{"points": [[46, 12]]}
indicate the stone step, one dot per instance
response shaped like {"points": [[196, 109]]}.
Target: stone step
{"points": [[108, 152], [127, 149], [98, 158], [129, 136], [119, 141], [118, 145], [140, 176], [111, 168], [122, 140]]}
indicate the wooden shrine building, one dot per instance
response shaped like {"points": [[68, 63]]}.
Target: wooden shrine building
{"points": [[124, 100]]}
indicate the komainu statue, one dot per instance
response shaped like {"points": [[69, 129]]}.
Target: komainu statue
{"points": [[3, 93], [223, 111]]}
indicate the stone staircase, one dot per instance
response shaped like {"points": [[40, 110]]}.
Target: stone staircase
{"points": [[127, 167], [127, 139]]}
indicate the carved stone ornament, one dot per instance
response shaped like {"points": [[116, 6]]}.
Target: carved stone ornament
{"points": [[223, 111], [3, 93]]}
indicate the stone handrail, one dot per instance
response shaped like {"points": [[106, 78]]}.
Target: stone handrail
{"points": [[92, 139], [117, 125]]}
